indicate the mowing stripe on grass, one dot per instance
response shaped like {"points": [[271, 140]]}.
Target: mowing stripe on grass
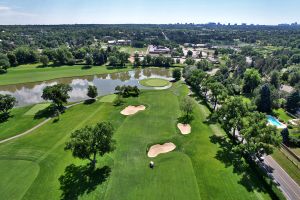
{"points": [[38, 107], [108, 98]]}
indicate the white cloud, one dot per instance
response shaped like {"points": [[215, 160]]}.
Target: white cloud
{"points": [[4, 8]]}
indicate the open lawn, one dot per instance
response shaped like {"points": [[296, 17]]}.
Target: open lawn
{"points": [[132, 50], [19, 121], [154, 82], [35, 73], [197, 169], [282, 115], [36, 108], [108, 98]]}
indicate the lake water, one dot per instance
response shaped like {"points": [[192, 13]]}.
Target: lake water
{"points": [[30, 93]]}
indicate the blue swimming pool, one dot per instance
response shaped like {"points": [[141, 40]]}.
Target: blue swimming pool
{"points": [[273, 121]]}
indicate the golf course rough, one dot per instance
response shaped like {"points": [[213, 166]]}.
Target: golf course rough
{"points": [[154, 82]]}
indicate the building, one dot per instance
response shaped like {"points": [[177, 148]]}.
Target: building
{"points": [[119, 42], [152, 49]]}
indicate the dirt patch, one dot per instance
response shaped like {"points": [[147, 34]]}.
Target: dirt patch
{"points": [[131, 110], [184, 128], [157, 149]]}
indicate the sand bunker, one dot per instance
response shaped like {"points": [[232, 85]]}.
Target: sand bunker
{"points": [[131, 110], [184, 128], [157, 149]]}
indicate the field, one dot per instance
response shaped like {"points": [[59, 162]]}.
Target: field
{"points": [[35, 73], [154, 82], [19, 122], [197, 169], [132, 50]]}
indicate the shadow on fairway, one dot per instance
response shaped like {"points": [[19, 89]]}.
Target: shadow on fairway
{"points": [[252, 179], [78, 180]]}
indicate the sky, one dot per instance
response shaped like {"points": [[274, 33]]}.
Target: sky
{"points": [[269, 12]]}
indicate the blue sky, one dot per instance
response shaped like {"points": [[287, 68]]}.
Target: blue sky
{"points": [[148, 11]]}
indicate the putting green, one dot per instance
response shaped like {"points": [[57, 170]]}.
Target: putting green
{"points": [[38, 107], [108, 98], [154, 82]]}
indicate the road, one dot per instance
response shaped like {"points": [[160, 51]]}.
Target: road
{"points": [[290, 188]]}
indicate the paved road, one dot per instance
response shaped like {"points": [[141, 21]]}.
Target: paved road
{"points": [[290, 188]]}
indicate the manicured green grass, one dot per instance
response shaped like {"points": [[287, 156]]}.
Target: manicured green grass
{"points": [[192, 171], [33, 73], [18, 123], [287, 165], [108, 98], [36, 108], [282, 115], [154, 82]]}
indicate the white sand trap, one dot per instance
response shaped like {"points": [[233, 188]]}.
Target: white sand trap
{"points": [[184, 128], [157, 149], [131, 110]]}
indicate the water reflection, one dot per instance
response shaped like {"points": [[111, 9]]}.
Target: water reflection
{"points": [[30, 93]]}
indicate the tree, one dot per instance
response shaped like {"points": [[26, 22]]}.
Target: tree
{"points": [[7, 102], [89, 60], [218, 92], [263, 101], [25, 55], [88, 142], [257, 136], [293, 102], [12, 59], [92, 91], [177, 74], [58, 94], [44, 60], [4, 63], [231, 114], [186, 106], [63, 56], [189, 54], [189, 61], [137, 60], [285, 135], [275, 79], [252, 79], [118, 101]]}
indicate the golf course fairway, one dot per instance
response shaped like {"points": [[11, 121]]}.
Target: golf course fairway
{"points": [[36, 166]]}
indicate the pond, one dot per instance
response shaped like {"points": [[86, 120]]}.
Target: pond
{"points": [[30, 93]]}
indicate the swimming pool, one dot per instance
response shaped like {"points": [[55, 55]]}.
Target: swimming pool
{"points": [[273, 121]]}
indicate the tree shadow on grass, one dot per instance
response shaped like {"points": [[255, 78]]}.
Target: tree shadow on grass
{"points": [[252, 177], [78, 180], [4, 117]]}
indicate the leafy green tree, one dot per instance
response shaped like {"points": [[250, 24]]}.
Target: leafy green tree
{"points": [[231, 114], [218, 92], [63, 56], [113, 61], [137, 60], [7, 102], [293, 102], [258, 136], [187, 106], [189, 54], [44, 60], [252, 79], [118, 101], [4, 63], [176, 74], [12, 59], [285, 135], [189, 61], [92, 91], [58, 94], [275, 79], [89, 60], [25, 55], [263, 101], [88, 142]]}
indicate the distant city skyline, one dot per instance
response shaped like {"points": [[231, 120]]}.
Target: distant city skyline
{"points": [[262, 12]]}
